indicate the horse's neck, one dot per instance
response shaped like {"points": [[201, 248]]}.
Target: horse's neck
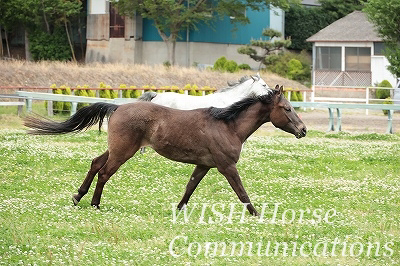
{"points": [[238, 91], [251, 119]]}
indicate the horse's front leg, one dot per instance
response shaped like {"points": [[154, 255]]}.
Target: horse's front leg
{"points": [[232, 175], [197, 175]]}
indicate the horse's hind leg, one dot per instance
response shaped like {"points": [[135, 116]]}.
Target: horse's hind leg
{"points": [[197, 175], [116, 158], [96, 165]]}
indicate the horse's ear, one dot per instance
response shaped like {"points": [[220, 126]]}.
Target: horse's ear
{"points": [[277, 87], [256, 77], [281, 89]]}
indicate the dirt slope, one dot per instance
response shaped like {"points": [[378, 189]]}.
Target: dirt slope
{"points": [[43, 74]]}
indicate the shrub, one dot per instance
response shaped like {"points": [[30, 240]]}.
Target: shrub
{"points": [[113, 93], [279, 64], [66, 91], [299, 96], [293, 97], [207, 90], [90, 93], [388, 100], [135, 93], [57, 106], [125, 93], [105, 94], [231, 66], [196, 88], [244, 67], [45, 46], [80, 92], [382, 93], [219, 65], [295, 69], [167, 64]]}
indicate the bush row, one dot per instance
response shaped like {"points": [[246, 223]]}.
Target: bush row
{"points": [[224, 65], [107, 92], [295, 96]]}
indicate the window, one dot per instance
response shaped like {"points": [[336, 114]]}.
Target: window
{"points": [[328, 58], [379, 47], [358, 59], [117, 24]]}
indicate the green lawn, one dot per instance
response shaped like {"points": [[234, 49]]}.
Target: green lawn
{"points": [[338, 198]]}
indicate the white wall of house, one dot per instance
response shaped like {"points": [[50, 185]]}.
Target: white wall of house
{"points": [[97, 6], [277, 19]]}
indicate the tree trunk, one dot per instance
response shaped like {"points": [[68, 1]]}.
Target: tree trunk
{"points": [[1, 44], [28, 55], [69, 39], [173, 52], [8, 46], [45, 19], [80, 36]]}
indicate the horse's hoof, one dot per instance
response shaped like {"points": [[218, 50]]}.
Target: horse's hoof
{"points": [[96, 206], [74, 200], [181, 206]]}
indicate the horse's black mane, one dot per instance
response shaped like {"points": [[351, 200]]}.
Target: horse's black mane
{"points": [[232, 112]]}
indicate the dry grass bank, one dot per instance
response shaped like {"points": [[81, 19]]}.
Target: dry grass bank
{"points": [[43, 74]]}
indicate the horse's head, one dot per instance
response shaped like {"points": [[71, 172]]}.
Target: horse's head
{"points": [[283, 115], [258, 85], [246, 86]]}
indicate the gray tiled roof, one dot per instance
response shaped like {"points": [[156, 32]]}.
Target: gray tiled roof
{"points": [[354, 27]]}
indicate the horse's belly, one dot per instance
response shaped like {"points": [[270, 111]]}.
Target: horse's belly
{"points": [[185, 155]]}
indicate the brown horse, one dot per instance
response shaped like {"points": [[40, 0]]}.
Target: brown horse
{"points": [[207, 137]]}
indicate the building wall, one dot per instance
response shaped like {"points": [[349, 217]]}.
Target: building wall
{"points": [[199, 53], [142, 43], [220, 31]]}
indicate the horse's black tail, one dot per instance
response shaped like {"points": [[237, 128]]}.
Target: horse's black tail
{"points": [[147, 96], [83, 119]]}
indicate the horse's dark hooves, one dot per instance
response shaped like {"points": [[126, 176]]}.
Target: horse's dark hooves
{"points": [[74, 200], [181, 206]]}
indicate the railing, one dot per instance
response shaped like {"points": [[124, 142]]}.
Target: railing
{"points": [[338, 106], [367, 99]]}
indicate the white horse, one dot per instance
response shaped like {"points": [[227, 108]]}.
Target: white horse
{"points": [[244, 87]]}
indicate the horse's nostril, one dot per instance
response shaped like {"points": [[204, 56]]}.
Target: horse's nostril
{"points": [[304, 131]]}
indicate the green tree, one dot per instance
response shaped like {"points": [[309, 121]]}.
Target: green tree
{"points": [[268, 46], [385, 14], [302, 22], [38, 16], [171, 16], [336, 9]]}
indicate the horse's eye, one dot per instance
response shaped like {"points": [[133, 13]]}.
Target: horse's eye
{"points": [[287, 108]]}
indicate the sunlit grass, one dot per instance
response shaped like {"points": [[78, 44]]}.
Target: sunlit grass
{"points": [[355, 175]]}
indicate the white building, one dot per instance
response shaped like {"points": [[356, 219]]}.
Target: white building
{"points": [[348, 53]]}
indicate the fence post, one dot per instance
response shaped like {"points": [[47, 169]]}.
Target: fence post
{"points": [[74, 105], [367, 99], [19, 106], [29, 105], [50, 105]]}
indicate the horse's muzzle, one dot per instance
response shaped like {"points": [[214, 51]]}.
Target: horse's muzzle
{"points": [[302, 133]]}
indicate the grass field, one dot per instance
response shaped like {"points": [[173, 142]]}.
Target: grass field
{"points": [[337, 198]]}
